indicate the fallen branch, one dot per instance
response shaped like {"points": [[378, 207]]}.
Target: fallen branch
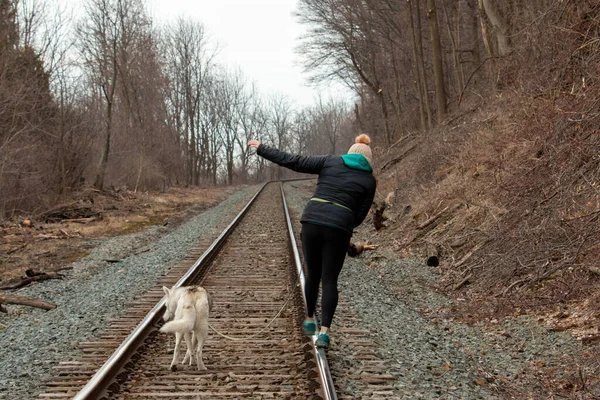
{"points": [[436, 216], [399, 158], [512, 285], [399, 141], [470, 253], [463, 282], [531, 280], [36, 277], [594, 270], [6, 298], [21, 247], [80, 220]]}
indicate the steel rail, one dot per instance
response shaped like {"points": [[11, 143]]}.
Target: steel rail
{"points": [[100, 381], [320, 357]]}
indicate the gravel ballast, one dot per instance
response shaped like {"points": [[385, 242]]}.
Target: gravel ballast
{"points": [[33, 341]]}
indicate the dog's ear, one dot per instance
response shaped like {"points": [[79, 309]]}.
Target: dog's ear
{"points": [[166, 290]]}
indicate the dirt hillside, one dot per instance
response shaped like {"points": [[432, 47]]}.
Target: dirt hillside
{"points": [[506, 195]]}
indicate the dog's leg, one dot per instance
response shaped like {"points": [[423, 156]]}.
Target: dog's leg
{"points": [[176, 350], [201, 338], [190, 346]]}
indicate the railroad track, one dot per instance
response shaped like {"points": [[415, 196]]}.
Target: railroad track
{"points": [[258, 351]]}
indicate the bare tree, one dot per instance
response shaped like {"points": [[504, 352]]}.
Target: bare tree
{"points": [[437, 60], [189, 59], [100, 35], [26, 120], [281, 115], [43, 27], [228, 99], [253, 123], [330, 118]]}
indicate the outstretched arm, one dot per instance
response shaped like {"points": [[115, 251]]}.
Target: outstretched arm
{"points": [[308, 165]]}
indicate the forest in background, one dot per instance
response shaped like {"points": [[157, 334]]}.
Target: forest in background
{"points": [[483, 114], [115, 100]]}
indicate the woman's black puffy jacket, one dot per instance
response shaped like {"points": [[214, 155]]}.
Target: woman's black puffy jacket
{"points": [[345, 187]]}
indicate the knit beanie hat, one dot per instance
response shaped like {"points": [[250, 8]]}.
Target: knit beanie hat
{"points": [[361, 146]]}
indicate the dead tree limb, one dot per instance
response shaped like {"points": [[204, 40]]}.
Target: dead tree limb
{"points": [[439, 214], [79, 220], [470, 253], [463, 282], [20, 282], [21, 247], [6, 298], [398, 158], [594, 270]]}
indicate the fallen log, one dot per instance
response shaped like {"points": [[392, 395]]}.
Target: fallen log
{"points": [[6, 298]]}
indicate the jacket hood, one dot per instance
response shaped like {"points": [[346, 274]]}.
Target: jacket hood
{"points": [[357, 161]]}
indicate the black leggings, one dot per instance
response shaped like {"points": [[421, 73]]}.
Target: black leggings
{"points": [[324, 252]]}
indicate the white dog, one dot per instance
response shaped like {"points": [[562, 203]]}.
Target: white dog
{"points": [[187, 311]]}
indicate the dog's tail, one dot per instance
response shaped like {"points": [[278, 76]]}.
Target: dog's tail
{"points": [[184, 324]]}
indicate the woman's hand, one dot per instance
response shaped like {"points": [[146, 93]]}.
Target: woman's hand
{"points": [[253, 144]]}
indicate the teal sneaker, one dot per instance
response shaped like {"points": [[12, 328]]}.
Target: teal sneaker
{"points": [[322, 341], [310, 328]]}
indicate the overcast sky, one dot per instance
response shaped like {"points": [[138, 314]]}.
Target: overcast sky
{"points": [[259, 36]]}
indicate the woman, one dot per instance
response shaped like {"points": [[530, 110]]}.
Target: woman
{"points": [[343, 196]]}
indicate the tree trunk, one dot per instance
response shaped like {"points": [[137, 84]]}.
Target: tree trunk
{"points": [[418, 77], [472, 26], [386, 121], [99, 182], [500, 27], [421, 66], [486, 42], [437, 59], [455, 41]]}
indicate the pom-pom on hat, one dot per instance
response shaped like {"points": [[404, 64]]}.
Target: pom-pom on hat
{"points": [[361, 146]]}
